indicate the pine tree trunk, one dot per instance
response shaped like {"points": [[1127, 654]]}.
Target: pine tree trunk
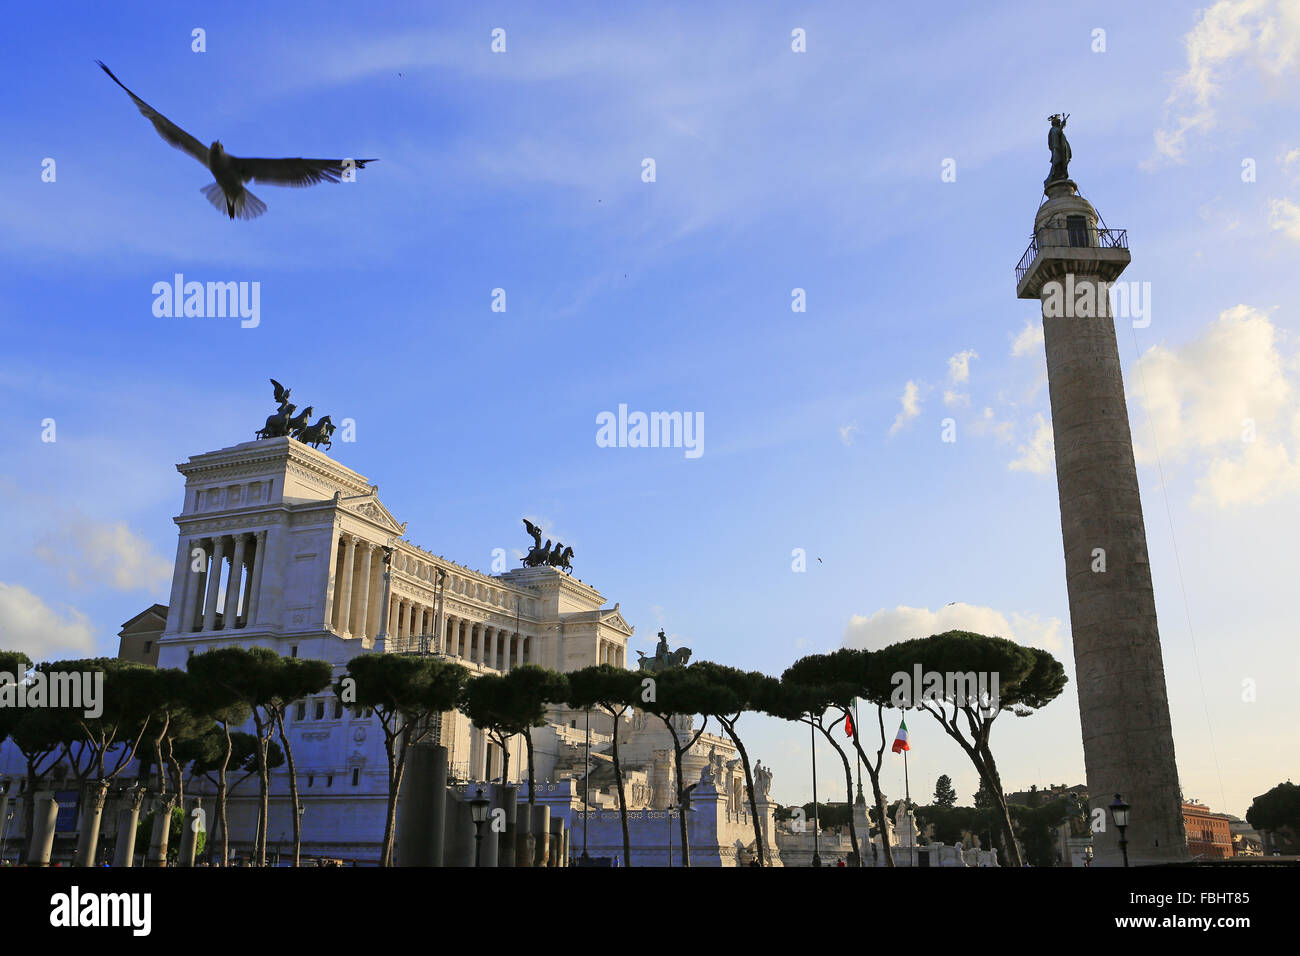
{"points": [[848, 786], [749, 786], [293, 786], [622, 798], [221, 798]]}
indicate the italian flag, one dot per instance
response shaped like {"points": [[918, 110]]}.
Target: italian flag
{"points": [[900, 742]]}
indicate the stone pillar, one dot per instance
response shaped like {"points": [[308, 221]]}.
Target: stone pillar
{"points": [[557, 840], [345, 599], [458, 846], [43, 821], [541, 829], [363, 599], [509, 802], [190, 591], [190, 834], [231, 617], [255, 577], [215, 568], [128, 821], [92, 814], [403, 619], [420, 810], [1128, 743], [475, 654], [161, 835], [438, 808]]}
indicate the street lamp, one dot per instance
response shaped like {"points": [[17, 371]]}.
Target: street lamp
{"points": [[4, 834], [478, 811], [817, 857], [1119, 813]]}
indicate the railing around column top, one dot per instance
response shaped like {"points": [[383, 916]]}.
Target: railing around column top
{"points": [[1105, 239]]}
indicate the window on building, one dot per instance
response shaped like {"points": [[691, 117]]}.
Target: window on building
{"points": [[320, 710], [356, 776], [329, 781], [311, 780], [302, 710], [293, 650], [147, 646], [338, 709]]}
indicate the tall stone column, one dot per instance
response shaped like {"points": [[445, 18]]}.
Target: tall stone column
{"points": [[1128, 742], [180, 587], [345, 605], [128, 822], [44, 818], [191, 590], [190, 833], [231, 617], [259, 569], [214, 583], [363, 598], [92, 814]]}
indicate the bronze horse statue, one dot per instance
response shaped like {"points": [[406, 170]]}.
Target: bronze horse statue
{"points": [[318, 434], [299, 421], [277, 425]]}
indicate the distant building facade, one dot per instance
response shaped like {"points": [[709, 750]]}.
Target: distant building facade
{"points": [[1209, 834]]}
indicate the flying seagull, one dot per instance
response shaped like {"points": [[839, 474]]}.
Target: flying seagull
{"points": [[228, 194]]}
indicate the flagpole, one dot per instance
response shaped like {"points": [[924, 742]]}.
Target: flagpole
{"points": [[911, 827]]}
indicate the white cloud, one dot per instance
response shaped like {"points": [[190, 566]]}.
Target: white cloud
{"points": [[1029, 341], [988, 424], [1265, 471], [959, 366], [849, 432], [1226, 398], [1038, 454], [1284, 215], [1264, 32], [952, 398], [29, 625], [911, 401], [91, 553], [905, 623]]}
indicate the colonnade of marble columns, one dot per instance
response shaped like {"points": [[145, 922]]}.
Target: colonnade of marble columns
{"points": [[358, 585], [238, 557], [612, 654], [358, 592]]}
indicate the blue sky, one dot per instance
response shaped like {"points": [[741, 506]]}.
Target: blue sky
{"points": [[775, 171]]}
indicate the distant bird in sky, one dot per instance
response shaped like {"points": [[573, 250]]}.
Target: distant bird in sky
{"points": [[228, 194]]}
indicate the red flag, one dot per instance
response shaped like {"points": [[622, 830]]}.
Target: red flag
{"points": [[848, 725]]}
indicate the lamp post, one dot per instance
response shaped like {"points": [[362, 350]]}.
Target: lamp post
{"points": [[478, 811], [437, 630], [817, 857], [4, 835], [585, 860], [1119, 813]]}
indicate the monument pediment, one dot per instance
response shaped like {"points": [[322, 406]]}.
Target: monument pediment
{"points": [[616, 620], [371, 508]]}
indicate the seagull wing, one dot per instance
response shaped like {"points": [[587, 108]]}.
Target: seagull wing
{"points": [[165, 127], [294, 172]]}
